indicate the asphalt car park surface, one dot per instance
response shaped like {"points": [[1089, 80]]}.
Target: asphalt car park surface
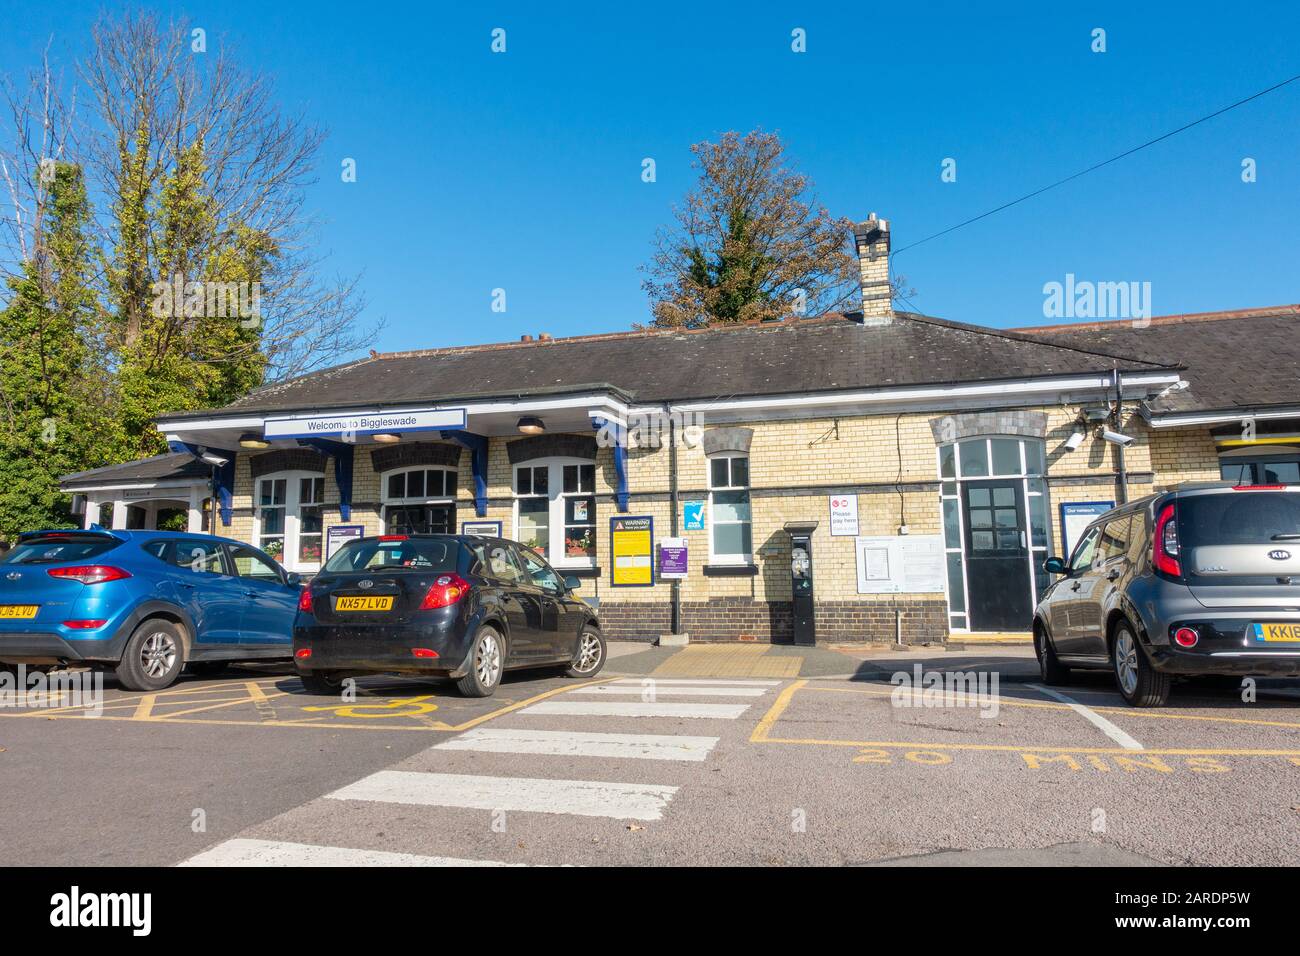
{"points": [[648, 765]]}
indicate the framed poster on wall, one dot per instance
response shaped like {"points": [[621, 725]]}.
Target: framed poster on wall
{"points": [[1077, 515], [631, 549]]}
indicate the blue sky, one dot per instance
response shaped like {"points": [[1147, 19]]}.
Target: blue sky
{"points": [[522, 170]]}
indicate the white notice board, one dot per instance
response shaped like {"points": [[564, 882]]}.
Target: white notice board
{"points": [[901, 564]]}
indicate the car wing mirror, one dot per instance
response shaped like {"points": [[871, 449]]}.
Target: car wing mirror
{"points": [[571, 583], [293, 579], [1055, 566]]}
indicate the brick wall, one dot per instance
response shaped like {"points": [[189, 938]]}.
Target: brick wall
{"points": [[889, 461]]}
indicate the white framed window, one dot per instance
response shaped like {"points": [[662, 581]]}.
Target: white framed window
{"points": [[730, 518], [555, 510], [419, 501], [981, 458], [288, 523]]}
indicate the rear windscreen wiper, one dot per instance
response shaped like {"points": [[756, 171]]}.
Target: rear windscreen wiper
{"points": [[1287, 536]]}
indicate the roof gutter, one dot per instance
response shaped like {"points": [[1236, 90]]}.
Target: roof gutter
{"points": [[1218, 416]]}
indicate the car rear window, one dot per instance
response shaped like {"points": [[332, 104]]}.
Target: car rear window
{"points": [[415, 554], [59, 549], [1241, 517]]}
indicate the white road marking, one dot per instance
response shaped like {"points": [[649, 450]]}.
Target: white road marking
{"points": [[619, 708], [662, 690], [586, 798], [1094, 718], [565, 743], [275, 853], [686, 681]]}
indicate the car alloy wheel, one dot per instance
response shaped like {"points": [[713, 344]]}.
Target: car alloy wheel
{"points": [[157, 654], [487, 661], [1126, 662], [588, 654]]}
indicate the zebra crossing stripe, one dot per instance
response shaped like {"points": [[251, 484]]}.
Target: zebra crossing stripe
{"points": [[620, 708], [687, 681], [565, 743], [243, 852], [586, 798], [657, 690]]}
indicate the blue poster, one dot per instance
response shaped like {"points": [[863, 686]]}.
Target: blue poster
{"points": [[693, 515]]}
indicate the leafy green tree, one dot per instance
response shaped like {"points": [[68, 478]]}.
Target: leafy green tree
{"points": [[54, 417]]}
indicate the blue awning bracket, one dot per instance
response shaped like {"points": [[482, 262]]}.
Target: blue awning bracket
{"points": [[618, 431], [478, 463], [342, 454], [223, 476]]}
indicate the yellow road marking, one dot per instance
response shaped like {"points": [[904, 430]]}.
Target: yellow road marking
{"points": [[206, 707], [424, 727], [1128, 712], [145, 707], [353, 709], [762, 733]]}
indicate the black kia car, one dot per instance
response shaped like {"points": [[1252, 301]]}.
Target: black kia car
{"points": [[456, 606]]}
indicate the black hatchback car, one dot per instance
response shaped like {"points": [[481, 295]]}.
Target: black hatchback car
{"points": [[456, 606], [1201, 580]]}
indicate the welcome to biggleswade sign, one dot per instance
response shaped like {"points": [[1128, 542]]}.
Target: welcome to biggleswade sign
{"points": [[365, 423]]}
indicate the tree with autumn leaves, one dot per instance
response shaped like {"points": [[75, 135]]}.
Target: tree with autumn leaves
{"points": [[750, 242]]}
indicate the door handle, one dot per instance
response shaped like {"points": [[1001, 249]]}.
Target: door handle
{"points": [[185, 585]]}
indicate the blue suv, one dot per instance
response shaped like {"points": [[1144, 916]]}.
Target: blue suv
{"points": [[145, 603]]}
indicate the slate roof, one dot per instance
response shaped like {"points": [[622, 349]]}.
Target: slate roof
{"points": [[795, 356], [157, 468], [1247, 359]]}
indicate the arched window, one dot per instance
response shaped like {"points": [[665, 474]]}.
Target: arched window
{"points": [[419, 501], [287, 517], [555, 510]]}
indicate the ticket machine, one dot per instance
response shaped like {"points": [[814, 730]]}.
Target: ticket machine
{"points": [[801, 581]]}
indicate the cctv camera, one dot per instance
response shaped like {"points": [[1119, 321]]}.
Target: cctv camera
{"points": [[1115, 438], [1075, 440], [214, 460]]}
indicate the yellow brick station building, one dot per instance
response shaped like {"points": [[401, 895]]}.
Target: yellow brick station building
{"points": [[939, 462]]}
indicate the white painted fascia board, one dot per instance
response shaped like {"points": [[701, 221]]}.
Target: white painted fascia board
{"points": [[924, 395], [141, 486], [253, 423], [1191, 419]]}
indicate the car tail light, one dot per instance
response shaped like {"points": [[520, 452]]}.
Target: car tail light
{"points": [[1164, 543], [393, 537], [86, 625], [444, 592], [1186, 637], [302, 652], [304, 601], [90, 573], [424, 652], [1259, 487]]}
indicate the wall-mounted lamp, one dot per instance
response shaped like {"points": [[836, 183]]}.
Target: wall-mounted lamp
{"points": [[531, 425], [386, 438], [253, 440]]}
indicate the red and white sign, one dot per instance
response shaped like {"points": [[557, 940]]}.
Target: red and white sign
{"points": [[844, 515]]}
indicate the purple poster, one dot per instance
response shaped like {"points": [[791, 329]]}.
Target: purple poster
{"points": [[672, 557]]}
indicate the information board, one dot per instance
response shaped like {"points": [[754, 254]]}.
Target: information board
{"points": [[340, 534], [901, 564], [1077, 515]]}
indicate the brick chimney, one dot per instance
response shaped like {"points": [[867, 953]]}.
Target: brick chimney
{"points": [[871, 238]]}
